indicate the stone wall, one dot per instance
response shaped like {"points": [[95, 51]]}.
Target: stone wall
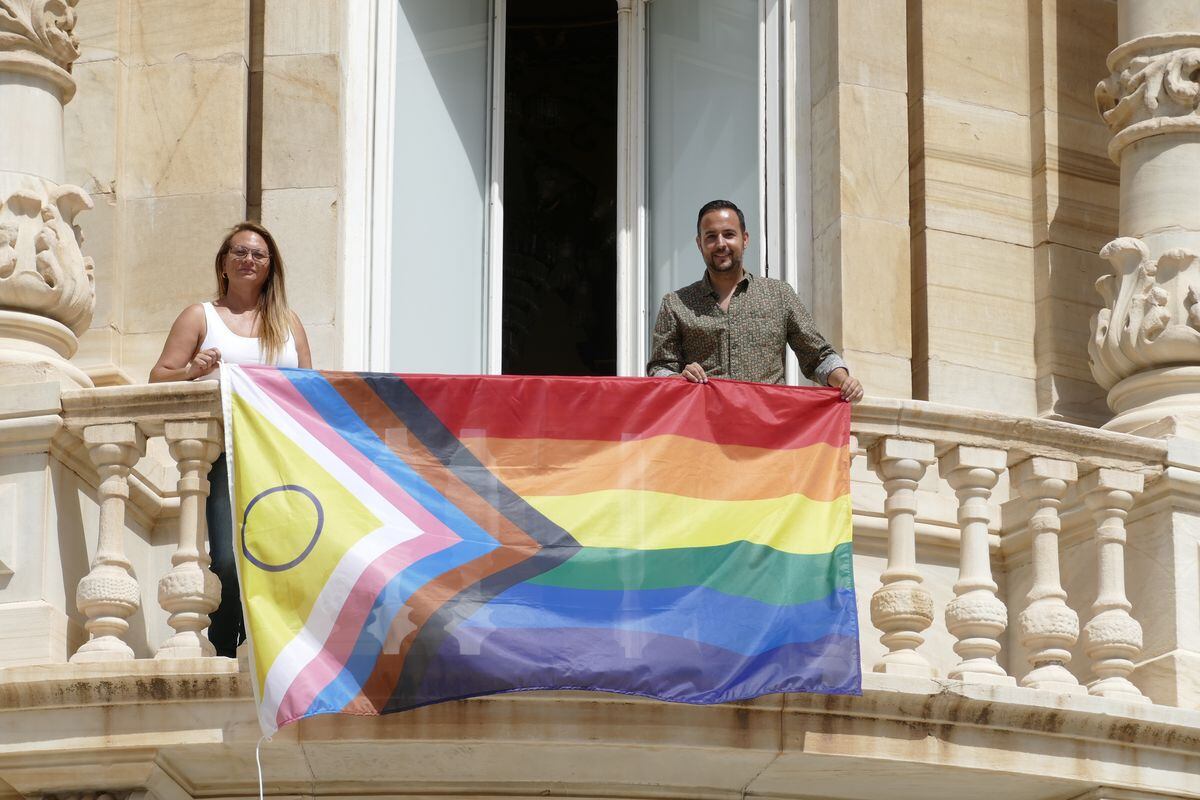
{"points": [[960, 192], [189, 118], [300, 164], [1012, 197], [860, 188]]}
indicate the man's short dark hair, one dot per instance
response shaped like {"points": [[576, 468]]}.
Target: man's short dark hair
{"points": [[720, 205]]}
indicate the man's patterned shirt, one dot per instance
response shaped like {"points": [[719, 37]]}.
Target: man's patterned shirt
{"points": [[744, 343]]}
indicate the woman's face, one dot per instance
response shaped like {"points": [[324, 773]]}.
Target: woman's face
{"points": [[248, 262]]}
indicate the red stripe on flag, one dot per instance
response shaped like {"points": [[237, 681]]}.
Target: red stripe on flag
{"points": [[621, 409]]}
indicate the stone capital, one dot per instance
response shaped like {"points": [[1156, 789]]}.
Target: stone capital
{"points": [[37, 38], [890, 448], [1152, 89], [43, 270], [1151, 314], [969, 458], [1109, 480], [1039, 468]]}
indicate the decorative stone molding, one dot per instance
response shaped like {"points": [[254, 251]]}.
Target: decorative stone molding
{"points": [[94, 795], [1048, 626], [901, 608], [1153, 88], [1151, 321], [42, 268], [976, 616], [1151, 316], [37, 37]]}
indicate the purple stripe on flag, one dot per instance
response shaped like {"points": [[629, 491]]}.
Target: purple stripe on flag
{"points": [[478, 661]]}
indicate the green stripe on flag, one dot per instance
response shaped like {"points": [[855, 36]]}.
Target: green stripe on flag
{"points": [[744, 569]]}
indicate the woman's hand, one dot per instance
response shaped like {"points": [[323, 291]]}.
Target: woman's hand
{"points": [[202, 364]]}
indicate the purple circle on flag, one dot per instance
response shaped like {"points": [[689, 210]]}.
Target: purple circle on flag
{"points": [[316, 534]]}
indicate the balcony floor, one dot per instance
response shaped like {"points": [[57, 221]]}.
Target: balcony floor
{"points": [[187, 729]]}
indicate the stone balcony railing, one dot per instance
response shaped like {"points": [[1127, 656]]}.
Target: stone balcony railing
{"points": [[1014, 575], [960, 519]]}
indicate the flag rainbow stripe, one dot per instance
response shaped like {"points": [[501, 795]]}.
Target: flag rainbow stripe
{"points": [[411, 539]]}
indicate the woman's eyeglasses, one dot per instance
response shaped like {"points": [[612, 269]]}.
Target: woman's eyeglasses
{"points": [[258, 256]]}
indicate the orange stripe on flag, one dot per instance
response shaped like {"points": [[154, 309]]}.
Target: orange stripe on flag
{"points": [[667, 464]]}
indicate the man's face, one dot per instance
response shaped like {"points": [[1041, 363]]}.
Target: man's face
{"points": [[722, 241]]}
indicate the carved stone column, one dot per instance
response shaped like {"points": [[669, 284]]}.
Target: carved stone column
{"points": [[109, 594], [1049, 627], [1145, 345], [1112, 637], [46, 283], [189, 592], [976, 616], [901, 608]]}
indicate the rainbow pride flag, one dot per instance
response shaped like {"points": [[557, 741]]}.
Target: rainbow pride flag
{"points": [[405, 540]]}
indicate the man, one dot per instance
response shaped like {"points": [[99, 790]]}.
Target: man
{"points": [[730, 324]]}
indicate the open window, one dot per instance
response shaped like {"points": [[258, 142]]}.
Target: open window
{"points": [[539, 164]]}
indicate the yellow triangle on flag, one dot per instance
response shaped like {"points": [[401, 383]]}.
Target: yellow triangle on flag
{"points": [[281, 526]]}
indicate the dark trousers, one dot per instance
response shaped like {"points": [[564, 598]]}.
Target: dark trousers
{"points": [[227, 630]]}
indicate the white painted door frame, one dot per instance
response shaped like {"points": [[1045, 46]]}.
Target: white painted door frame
{"points": [[368, 120]]}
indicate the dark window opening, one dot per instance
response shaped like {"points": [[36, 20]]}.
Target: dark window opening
{"points": [[560, 188]]}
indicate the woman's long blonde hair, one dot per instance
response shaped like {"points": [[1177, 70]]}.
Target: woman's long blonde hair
{"points": [[274, 316]]}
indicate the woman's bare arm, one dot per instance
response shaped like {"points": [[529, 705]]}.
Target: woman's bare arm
{"points": [[181, 358], [302, 352]]}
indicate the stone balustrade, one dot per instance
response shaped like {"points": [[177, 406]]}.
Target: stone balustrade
{"points": [[963, 520], [1047, 469], [114, 424]]}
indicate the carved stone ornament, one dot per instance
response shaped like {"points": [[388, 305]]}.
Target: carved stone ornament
{"points": [[1048, 621], [1151, 317], [42, 269], [37, 37], [1154, 88], [972, 612], [914, 603]]}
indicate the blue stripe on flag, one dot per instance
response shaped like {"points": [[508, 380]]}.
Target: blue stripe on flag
{"points": [[697, 613], [390, 602], [342, 418]]}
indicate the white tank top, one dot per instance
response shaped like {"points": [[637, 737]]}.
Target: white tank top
{"points": [[237, 349]]}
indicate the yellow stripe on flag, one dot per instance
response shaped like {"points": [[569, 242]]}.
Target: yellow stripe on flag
{"points": [[281, 525], [638, 520]]}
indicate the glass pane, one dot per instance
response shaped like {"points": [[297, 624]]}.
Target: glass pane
{"points": [[439, 186], [560, 188], [703, 130]]}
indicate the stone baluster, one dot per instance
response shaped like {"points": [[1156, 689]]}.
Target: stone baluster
{"points": [[1112, 638], [1048, 626], [189, 592], [109, 594], [901, 608], [976, 617]]}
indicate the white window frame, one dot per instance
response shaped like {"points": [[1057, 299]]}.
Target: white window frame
{"points": [[785, 227]]}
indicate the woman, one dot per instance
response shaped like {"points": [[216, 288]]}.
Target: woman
{"points": [[250, 323]]}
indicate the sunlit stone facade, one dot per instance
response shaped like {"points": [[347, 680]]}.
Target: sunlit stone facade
{"points": [[958, 177]]}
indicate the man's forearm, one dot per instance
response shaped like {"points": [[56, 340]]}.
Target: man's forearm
{"points": [[826, 367]]}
